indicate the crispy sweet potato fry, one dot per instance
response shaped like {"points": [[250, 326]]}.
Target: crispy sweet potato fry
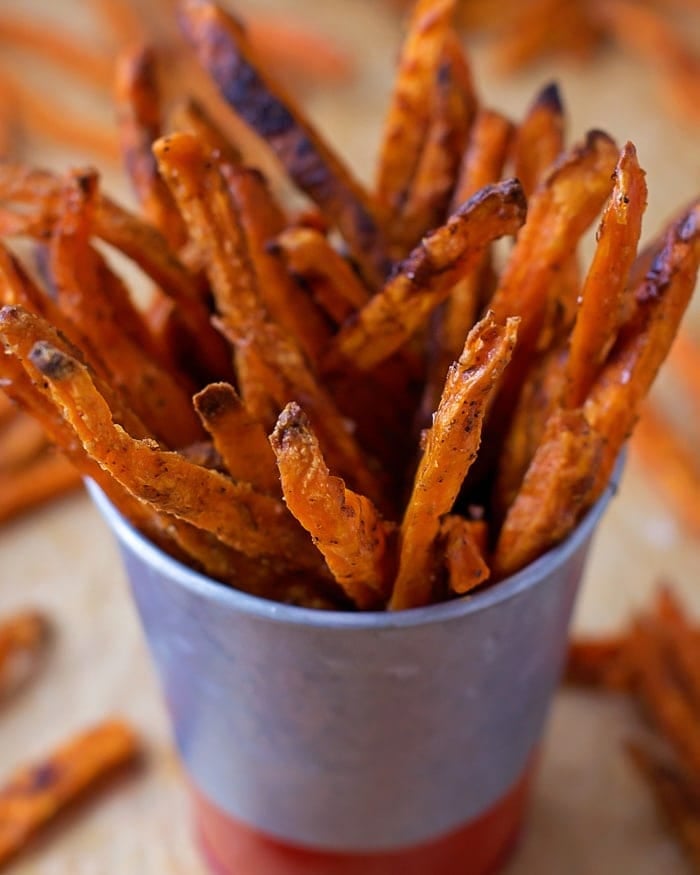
{"points": [[213, 222], [346, 527], [602, 308], [49, 476], [23, 640], [408, 117], [553, 494], [36, 794], [613, 403], [240, 439], [139, 124], [539, 138], [450, 448], [21, 440], [253, 523], [464, 558], [427, 276], [226, 54], [334, 285], [485, 156], [191, 115]]}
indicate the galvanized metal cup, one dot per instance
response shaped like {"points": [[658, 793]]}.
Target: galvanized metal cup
{"points": [[361, 744]]}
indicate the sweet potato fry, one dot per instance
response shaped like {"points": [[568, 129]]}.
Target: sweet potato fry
{"points": [[485, 156], [224, 51], [240, 439], [684, 362], [139, 124], [539, 138], [21, 440], [334, 285], [191, 115], [427, 276], [408, 117], [671, 463], [346, 527], [214, 224], [262, 220], [464, 558], [450, 448], [248, 521], [453, 108], [593, 662], [553, 494], [602, 305], [23, 640], [7, 409], [37, 794], [614, 401], [49, 476]]}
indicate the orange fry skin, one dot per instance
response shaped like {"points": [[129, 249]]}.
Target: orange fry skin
{"points": [[553, 494], [240, 439], [450, 448], [427, 276], [602, 299], [346, 527], [464, 558], [37, 794], [226, 54]]}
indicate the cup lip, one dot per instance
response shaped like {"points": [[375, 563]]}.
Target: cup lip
{"points": [[233, 599]]}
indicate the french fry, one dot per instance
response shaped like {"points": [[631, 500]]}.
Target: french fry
{"points": [[485, 155], [427, 276], [684, 362], [408, 117], [614, 401], [214, 224], [253, 523], [139, 124], [332, 282], [191, 115], [225, 53], [539, 138], [38, 793], [595, 662], [450, 448], [240, 439], [464, 557], [553, 494], [48, 477], [602, 299], [23, 640], [346, 527], [21, 440]]}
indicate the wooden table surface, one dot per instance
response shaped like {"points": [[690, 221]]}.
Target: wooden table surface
{"points": [[590, 812]]}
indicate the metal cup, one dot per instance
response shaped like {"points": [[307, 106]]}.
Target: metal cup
{"points": [[363, 736]]}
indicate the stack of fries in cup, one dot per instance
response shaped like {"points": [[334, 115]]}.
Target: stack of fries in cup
{"points": [[367, 404]]}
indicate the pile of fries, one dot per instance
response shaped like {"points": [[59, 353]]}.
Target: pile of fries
{"points": [[440, 411], [657, 661]]}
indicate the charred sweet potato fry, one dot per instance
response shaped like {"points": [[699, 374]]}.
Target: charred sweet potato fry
{"points": [[38, 793], [602, 299], [139, 123], [23, 639], [346, 527], [426, 277], [226, 54], [450, 448], [240, 439], [539, 138], [553, 494]]}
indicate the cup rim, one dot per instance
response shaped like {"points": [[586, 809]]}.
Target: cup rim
{"points": [[255, 606]]}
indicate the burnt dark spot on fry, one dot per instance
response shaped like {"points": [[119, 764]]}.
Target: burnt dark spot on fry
{"points": [[51, 362]]}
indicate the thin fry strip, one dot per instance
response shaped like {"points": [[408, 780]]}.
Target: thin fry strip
{"points": [[224, 51], [240, 439], [682, 642], [21, 440], [676, 799], [191, 115], [48, 477], [253, 523], [464, 559], [121, 19], [7, 409], [346, 527], [155, 395], [427, 276], [684, 361], [23, 638], [214, 225], [450, 448], [602, 309], [553, 494], [309, 256], [614, 401], [485, 156], [139, 125], [539, 138], [36, 794], [262, 220], [593, 662], [672, 465], [408, 117]]}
